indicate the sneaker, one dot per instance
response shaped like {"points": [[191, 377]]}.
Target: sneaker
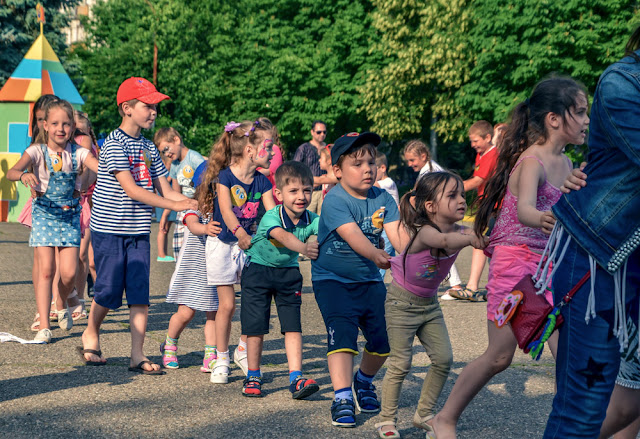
{"points": [[43, 336], [301, 387], [64, 319], [240, 358], [252, 387], [208, 363], [447, 296], [169, 358], [343, 413], [365, 396], [220, 372], [166, 259]]}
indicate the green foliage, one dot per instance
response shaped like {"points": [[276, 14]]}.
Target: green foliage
{"points": [[19, 27]]}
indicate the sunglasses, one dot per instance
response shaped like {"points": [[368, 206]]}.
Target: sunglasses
{"points": [[321, 132]]}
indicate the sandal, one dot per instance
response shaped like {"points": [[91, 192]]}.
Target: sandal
{"points": [[464, 294], [35, 326], [78, 311], [392, 433], [479, 296]]}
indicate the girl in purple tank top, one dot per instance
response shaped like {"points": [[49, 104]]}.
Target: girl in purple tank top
{"points": [[432, 240], [530, 170]]}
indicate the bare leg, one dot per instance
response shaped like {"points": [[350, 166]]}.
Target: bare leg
{"points": [[68, 257], [83, 264], [162, 243], [92, 262], [293, 349], [497, 357], [138, 323], [226, 309], [340, 369], [179, 320], [91, 335], [623, 414], [371, 364], [210, 328], [478, 260], [55, 295], [46, 273], [254, 351]]}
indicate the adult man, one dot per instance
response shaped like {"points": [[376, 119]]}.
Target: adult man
{"points": [[309, 154]]}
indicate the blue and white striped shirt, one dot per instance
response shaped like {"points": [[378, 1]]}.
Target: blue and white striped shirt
{"points": [[113, 211]]}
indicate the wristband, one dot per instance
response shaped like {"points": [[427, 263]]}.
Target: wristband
{"points": [[235, 229], [22, 175]]}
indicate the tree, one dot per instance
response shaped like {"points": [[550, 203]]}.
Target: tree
{"points": [[19, 27]]}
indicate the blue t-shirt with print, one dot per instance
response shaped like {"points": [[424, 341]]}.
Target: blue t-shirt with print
{"points": [[337, 260], [245, 200], [183, 171]]}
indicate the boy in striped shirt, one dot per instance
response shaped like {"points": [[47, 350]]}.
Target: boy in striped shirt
{"points": [[129, 170]]}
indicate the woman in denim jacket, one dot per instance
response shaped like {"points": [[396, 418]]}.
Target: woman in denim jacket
{"points": [[598, 232]]}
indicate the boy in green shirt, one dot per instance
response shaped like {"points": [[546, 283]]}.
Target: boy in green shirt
{"points": [[272, 271]]}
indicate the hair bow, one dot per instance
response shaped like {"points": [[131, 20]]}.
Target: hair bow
{"points": [[230, 126]]}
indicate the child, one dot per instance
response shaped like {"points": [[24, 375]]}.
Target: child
{"points": [[383, 181], [184, 162], [346, 282], [531, 167], [412, 307], [271, 271], [325, 165], [189, 288], [418, 157], [165, 218], [240, 189], [481, 138], [57, 164], [130, 169]]}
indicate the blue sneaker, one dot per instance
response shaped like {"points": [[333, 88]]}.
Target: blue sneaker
{"points": [[365, 396], [343, 413]]}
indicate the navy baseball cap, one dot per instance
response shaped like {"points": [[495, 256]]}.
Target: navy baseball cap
{"points": [[351, 140]]}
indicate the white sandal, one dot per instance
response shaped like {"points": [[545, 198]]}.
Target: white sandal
{"points": [[220, 372], [389, 434]]}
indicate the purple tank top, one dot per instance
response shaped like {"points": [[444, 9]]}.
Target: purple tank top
{"points": [[509, 231], [422, 273]]}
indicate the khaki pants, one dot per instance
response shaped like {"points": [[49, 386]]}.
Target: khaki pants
{"points": [[316, 202], [408, 316]]}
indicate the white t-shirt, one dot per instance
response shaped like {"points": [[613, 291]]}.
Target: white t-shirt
{"points": [[434, 168], [113, 210], [40, 164], [390, 186]]}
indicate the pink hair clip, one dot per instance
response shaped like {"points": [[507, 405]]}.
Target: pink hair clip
{"points": [[230, 126]]}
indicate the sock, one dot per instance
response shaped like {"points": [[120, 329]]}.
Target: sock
{"points": [[363, 377], [293, 375], [254, 373], [343, 394], [168, 341], [209, 351], [242, 345], [223, 356]]}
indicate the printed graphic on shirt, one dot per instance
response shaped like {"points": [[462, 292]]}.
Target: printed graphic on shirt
{"points": [[185, 177], [243, 205], [371, 226], [140, 169], [56, 162], [429, 273]]}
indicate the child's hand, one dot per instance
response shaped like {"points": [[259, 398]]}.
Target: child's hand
{"points": [[30, 180], [212, 228], [311, 249], [547, 221], [381, 259], [188, 204], [576, 180], [479, 242], [164, 225], [244, 241]]}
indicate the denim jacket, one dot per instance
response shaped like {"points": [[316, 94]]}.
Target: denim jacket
{"points": [[604, 216]]}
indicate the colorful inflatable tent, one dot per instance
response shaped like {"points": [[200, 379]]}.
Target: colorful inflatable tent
{"points": [[40, 72]]}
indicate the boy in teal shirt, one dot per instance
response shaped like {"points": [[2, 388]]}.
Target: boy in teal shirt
{"points": [[272, 271]]}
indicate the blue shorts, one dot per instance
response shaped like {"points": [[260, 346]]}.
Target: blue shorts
{"points": [[122, 264], [347, 307]]}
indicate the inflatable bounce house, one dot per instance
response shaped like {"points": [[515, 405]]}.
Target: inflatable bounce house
{"points": [[40, 72]]}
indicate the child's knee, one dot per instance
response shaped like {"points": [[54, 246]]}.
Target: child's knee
{"points": [[501, 362]]}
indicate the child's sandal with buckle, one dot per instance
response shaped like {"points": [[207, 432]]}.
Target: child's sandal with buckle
{"points": [[303, 387], [391, 433], [252, 387], [169, 357]]}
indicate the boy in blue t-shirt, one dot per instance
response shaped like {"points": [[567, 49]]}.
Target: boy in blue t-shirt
{"points": [[272, 271], [184, 162], [347, 285], [129, 172]]}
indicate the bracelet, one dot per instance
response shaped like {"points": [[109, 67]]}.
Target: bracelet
{"points": [[235, 229], [22, 175]]}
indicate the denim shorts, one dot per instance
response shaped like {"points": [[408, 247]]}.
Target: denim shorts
{"points": [[345, 307], [122, 265]]}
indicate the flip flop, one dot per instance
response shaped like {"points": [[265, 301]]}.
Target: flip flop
{"points": [[140, 369], [81, 351]]}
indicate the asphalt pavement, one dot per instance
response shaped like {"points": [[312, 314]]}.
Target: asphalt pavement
{"points": [[47, 392]]}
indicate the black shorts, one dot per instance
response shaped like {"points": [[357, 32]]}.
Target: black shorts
{"points": [[259, 285]]}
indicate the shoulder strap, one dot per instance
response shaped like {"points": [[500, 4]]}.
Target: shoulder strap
{"points": [[47, 159], [529, 157]]}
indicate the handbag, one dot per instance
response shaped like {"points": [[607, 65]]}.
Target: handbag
{"points": [[531, 317]]}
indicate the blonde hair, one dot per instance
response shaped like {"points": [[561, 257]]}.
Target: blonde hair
{"points": [[43, 136], [82, 115], [481, 128], [418, 147], [165, 134]]}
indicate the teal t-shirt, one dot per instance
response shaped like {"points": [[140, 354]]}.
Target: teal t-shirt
{"points": [[182, 172], [265, 250]]}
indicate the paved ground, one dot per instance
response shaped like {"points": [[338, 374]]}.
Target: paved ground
{"points": [[45, 391]]}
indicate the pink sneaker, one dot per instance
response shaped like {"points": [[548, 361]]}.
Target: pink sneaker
{"points": [[208, 363], [169, 358]]}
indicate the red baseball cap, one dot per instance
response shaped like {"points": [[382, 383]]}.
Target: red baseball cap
{"points": [[140, 89]]}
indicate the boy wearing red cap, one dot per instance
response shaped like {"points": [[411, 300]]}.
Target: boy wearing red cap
{"points": [[130, 169]]}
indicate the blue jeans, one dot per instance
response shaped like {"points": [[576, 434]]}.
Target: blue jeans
{"points": [[588, 354]]}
